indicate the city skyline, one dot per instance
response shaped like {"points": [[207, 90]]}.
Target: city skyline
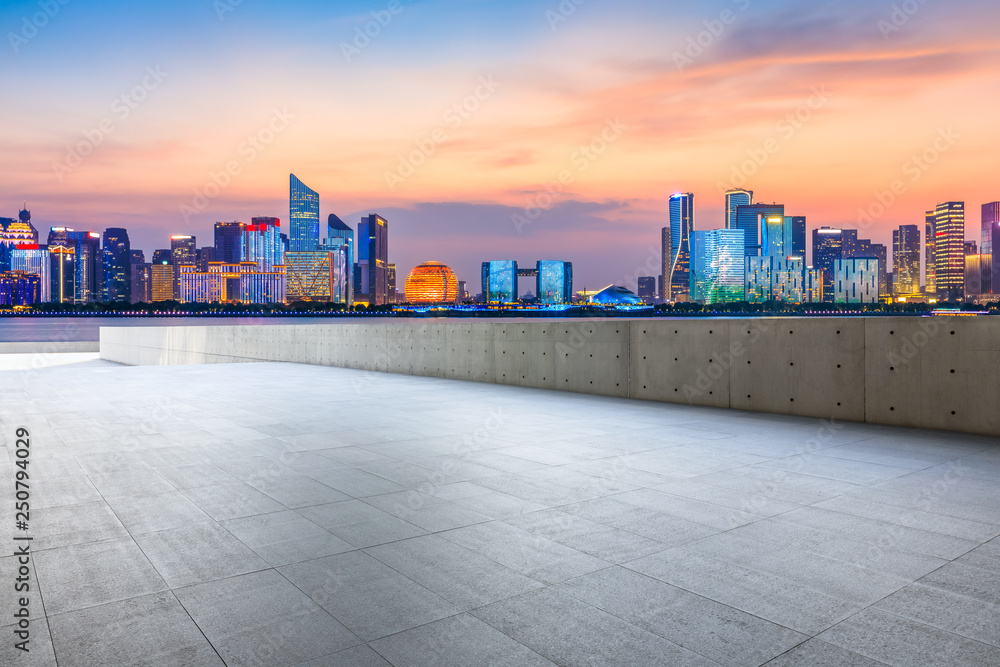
{"points": [[666, 124]]}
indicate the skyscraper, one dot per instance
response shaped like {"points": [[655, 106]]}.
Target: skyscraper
{"points": [[371, 284], [303, 216], [681, 226], [183, 252], [990, 222], [797, 226], [85, 261], [14, 232], [664, 263], [828, 247], [117, 265], [647, 289], [752, 220], [390, 277], [906, 260], [783, 235], [261, 243], [228, 242], [949, 242], [930, 254], [717, 273], [206, 255], [782, 279], [33, 259], [338, 234], [736, 198], [62, 274]]}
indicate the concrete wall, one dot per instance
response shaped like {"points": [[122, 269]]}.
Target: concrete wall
{"points": [[928, 372], [50, 347]]}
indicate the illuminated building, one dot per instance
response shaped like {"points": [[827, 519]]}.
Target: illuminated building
{"points": [[664, 262], [183, 252], [86, 262], [15, 232], [752, 220], [338, 233], [813, 291], [30, 258], [19, 289], [431, 283], [232, 283], [142, 283], [906, 260], [828, 247], [783, 235], [161, 281], [117, 265], [781, 279], [614, 295], [390, 278], [856, 280], [554, 281], [734, 198], [62, 274], [930, 254], [261, 243], [990, 219], [975, 265], [229, 241], [647, 289], [500, 281], [303, 216], [949, 250], [320, 276], [681, 226], [205, 255], [371, 281], [717, 268], [990, 225]]}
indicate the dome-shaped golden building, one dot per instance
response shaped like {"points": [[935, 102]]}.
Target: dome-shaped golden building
{"points": [[431, 282]]}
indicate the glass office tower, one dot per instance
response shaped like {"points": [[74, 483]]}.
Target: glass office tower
{"points": [[949, 250], [339, 234], [117, 265], [303, 216], [681, 226], [30, 258], [717, 266], [554, 282], [906, 260], [371, 279], [828, 247], [751, 220], [500, 282], [736, 198]]}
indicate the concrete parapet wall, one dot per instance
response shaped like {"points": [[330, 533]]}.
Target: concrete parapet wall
{"points": [[927, 372], [54, 347]]}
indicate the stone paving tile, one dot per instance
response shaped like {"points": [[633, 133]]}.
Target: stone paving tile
{"points": [[580, 530]]}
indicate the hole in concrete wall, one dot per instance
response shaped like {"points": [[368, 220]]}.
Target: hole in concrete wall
{"points": [[791, 400], [675, 331], [892, 333], [748, 395], [952, 370], [709, 393], [710, 331], [892, 368], [952, 333], [838, 365], [838, 405], [838, 332], [790, 333], [748, 363], [791, 364], [676, 390], [892, 409], [952, 412]]}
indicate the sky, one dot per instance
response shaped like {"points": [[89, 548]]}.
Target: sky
{"points": [[497, 129]]}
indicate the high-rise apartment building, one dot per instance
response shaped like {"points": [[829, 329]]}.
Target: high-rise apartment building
{"points": [[717, 273], [949, 250], [681, 226], [303, 216], [371, 280], [906, 260], [117, 265]]}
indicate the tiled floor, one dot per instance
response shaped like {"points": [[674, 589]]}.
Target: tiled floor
{"points": [[274, 514]]}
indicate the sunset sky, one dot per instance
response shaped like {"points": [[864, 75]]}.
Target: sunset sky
{"points": [[533, 83]]}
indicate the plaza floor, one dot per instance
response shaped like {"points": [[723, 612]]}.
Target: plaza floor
{"points": [[279, 514]]}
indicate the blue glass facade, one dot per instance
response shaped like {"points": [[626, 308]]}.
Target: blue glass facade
{"points": [[736, 198], [856, 280], [303, 216], [717, 266], [681, 226], [750, 220], [554, 283], [500, 282], [117, 265]]}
